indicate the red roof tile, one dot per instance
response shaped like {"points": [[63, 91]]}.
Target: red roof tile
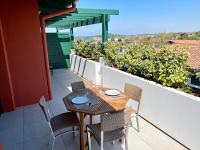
{"points": [[194, 51]]}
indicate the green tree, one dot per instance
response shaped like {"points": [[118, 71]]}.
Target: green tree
{"points": [[140, 59], [184, 36], [198, 75], [112, 55], [171, 66], [88, 49], [197, 34], [167, 65]]}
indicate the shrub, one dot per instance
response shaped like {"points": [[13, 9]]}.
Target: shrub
{"points": [[197, 74], [171, 66], [112, 55], [140, 59], [88, 49], [167, 66]]}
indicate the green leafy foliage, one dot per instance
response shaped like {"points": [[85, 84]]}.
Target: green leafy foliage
{"points": [[195, 73], [197, 34], [112, 55], [140, 59], [166, 65], [171, 66], [88, 49], [198, 75], [187, 36]]}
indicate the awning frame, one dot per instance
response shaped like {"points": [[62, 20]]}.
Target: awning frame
{"points": [[83, 17]]}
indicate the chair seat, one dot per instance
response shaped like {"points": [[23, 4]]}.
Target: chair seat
{"points": [[133, 111], [108, 135], [63, 121]]}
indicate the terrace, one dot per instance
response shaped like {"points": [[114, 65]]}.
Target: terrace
{"points": [[26, 127]]}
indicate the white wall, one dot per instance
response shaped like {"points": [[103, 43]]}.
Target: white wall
{"points": [[173, 111], [86, 68]]}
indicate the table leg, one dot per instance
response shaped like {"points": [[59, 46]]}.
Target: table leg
{"points": [[82, 135], [121, 140]]}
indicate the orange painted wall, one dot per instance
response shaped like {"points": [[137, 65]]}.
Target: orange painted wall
{"points": [[23, 42]]}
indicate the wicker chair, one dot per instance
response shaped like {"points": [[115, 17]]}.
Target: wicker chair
{"points": [[88, 83], [61, 124], [113, 126], [135, 93], [80, 85]]}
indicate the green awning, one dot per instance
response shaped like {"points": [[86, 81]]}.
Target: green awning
{"points": [[81, 17], [48, 6]]}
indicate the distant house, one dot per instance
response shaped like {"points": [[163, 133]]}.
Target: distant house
{"points": [[96, 40], [194, 51], [116, 39], [122, 49]]}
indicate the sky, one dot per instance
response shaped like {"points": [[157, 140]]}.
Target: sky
{"points": [[145, 16]]}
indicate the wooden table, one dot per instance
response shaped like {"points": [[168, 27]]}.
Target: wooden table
{"points": [[99, 103]]}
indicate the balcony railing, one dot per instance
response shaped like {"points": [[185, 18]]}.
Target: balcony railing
{"points": [[173, 111]]}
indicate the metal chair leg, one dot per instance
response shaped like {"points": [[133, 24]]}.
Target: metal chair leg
{"points": [[53, 142], [113, 142], [102, 137], [74, 131], [49, 142], [51, 136], [88, 138], [126, 139], [137, 121]]}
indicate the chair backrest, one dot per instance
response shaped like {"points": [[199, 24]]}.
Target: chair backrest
{"points": [[132, 91], [80, 85], [44, 106], [77, 86], [88, 83], [115, 120]]}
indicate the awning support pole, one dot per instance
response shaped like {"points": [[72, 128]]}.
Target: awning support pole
{"points": [[104, 30]]}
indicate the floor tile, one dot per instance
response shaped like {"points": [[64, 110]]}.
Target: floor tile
{"points": [[11, 135], [13, 146], [72, 142], [59, 144], [36, 130], [12, 119], [36, 144], [33, 114], [42, 144]]}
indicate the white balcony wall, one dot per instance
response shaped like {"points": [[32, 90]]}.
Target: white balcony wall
{"points": [[86, 68], [173, 111]]}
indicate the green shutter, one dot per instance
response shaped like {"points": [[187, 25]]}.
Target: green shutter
{"points": [[59, 48]]}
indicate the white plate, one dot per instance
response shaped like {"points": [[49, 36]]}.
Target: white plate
{"points": [[80, 100], [112, 92]]}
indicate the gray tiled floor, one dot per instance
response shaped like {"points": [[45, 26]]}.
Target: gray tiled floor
{"points": [[26, 129]]}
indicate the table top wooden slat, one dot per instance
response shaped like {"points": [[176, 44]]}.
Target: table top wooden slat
{"points": [[100, 102]]}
